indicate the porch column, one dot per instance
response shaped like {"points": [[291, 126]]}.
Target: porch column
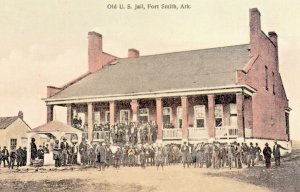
{"points": [[184, 105], [211, 117], [69, 114], [240, 115], [134, 107], [159, 119], [50, 113], [90, 112], [112, 108]]}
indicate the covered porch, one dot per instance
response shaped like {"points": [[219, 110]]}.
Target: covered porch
{"points": [[194, 116]]}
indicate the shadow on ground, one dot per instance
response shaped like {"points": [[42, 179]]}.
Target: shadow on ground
{"points": [[75, 185], [286, 178]]}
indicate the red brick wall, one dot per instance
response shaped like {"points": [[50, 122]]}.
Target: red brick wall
{"points": [[268, 109]]}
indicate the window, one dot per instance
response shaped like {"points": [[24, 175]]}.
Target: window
{"points": [[218, 115], [124, 116], [81, 119], [97, 118], [233, 114], [273, 80], [167, 117], [179, 117], [199, 115], [144, 115], [107, 117], [287, 123], [266, 77], [13, 143]]}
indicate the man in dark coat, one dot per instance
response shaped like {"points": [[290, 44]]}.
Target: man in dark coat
{"points": [[56, 153], [5, 155], [101, 156], [12, 156], [64, 146], [267, 155], [276, 153], [24, 156], [41, 153], [33, 149], [185, 154], [20, 154], [83, 151]]}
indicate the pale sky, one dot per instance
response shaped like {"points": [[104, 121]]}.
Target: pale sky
{"points": [[45, 42]]}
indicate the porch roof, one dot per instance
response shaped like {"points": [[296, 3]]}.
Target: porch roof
{"points": [[54, 126], [205, 68]]}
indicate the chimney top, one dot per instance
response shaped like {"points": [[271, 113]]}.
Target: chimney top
{"points": [[20, 114], [254, 10], [133, 53], [94, 33], [272, 34]]}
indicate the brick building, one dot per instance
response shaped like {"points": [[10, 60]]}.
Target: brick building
{"points": [[224, 93]]}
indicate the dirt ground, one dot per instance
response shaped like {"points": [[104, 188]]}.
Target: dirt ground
{"points": [[172, 178]]}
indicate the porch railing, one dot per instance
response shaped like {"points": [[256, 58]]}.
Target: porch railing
{"points": [[197, 133], [173, 133], [98, 135], [226, 132]]}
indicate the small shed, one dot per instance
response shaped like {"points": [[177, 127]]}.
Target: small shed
{"points": [[54, 130]]}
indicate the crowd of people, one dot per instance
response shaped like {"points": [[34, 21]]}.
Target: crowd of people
{"points": [[13, 157], [215, 155]]}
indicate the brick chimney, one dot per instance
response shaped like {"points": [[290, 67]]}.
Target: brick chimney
{"points": [[255, 29], [94, 51], [273, 37], [255, 25], [21, 115], [133, 53]]}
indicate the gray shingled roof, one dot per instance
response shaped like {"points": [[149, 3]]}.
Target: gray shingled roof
{"points": [[180, 70], [7, 121]]}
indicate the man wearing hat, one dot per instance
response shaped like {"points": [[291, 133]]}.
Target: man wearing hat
{"points": [[267, 155], [41, 153], [185, 154], [251, 155], [5, 155], [276, 153], [64, 146]]}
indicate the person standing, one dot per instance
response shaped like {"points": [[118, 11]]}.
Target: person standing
{"points": [[5, 155], [258, 152], [41, 153], [276, 153], [24, 156], [267, 152], [185, 154], [33, 149], [20, 157], [64, 146], [230, 155], [101, 156], [12, 157], [83, 151], [56, 153], [238, 155], [251, 155]]}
